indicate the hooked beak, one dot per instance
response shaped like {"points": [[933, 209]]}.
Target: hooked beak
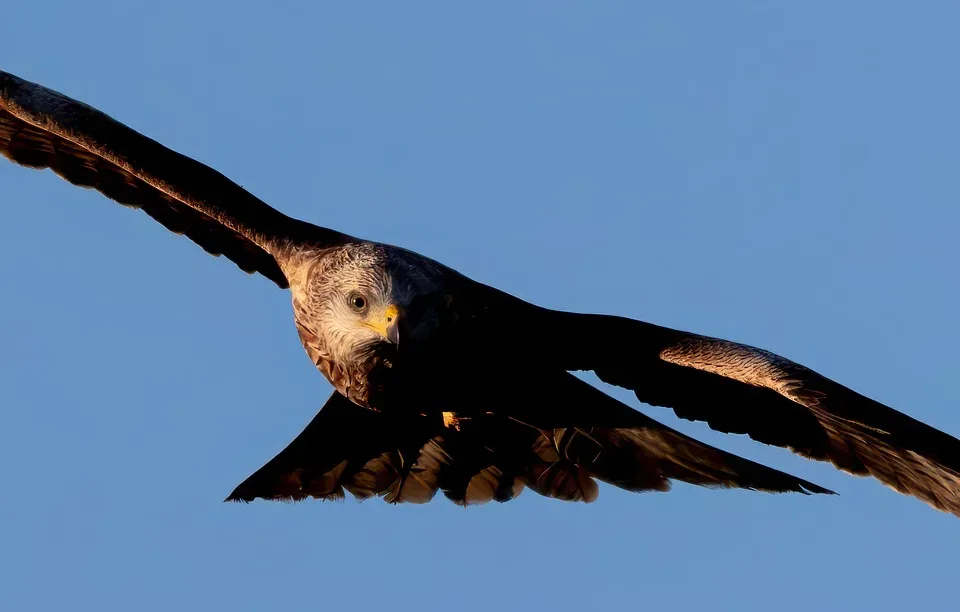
{"points": [[389, 326], [393, 333]]}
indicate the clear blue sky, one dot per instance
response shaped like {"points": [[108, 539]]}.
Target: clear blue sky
{"points": [[785, 177]]}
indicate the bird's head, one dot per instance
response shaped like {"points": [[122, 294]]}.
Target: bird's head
{"points": [[362, 299]]}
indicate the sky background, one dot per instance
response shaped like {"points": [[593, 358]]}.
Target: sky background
{"points": [[781, 176]]}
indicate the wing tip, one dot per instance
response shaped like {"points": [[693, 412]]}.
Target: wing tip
{"points": [[238, 499], [811, 489]]}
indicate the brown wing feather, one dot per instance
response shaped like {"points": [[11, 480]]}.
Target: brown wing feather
{"points": [[564, 436], [619, 445], [41, 128], [741, 389], [370, 454]]}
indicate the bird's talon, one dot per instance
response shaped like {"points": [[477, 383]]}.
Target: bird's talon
{"points": [[451, 420]]}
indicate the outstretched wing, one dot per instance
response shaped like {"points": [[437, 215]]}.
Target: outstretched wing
{"points": [[741, 389], [557, 440], [40, 128]]}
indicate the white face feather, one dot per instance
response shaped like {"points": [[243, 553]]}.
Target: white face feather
{"points": [[348, 296]]}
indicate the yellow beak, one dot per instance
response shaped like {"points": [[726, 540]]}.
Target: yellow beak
{"points": [[388, 326]]}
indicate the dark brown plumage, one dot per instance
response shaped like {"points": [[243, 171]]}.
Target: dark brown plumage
{"points": [[40, 129], [461, 388], [555, 441], [739, 389]]}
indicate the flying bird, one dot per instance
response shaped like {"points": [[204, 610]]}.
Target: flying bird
{"points": [[445, 384]]}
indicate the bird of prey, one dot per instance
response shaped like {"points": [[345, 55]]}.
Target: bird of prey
{"points": [[444, 384]]}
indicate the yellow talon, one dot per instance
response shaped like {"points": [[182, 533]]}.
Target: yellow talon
{"points": [[450, 420]]}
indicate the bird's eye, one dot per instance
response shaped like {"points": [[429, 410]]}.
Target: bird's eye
{"points": [[357, 302]]}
